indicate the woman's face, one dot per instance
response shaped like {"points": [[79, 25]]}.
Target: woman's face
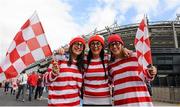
{"points": [[77, 48], [115, 48], [96, 47]]}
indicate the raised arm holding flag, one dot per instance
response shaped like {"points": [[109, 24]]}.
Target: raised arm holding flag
{"points": [[143, 50], [28, 46]]}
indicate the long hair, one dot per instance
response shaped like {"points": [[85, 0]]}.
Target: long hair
{"points": [[112, 58], [80, 59], [89, 57]]}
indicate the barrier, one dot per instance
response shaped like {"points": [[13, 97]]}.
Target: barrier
{"points": [[166, 94]]}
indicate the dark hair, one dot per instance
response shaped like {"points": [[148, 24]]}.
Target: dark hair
{"points": [[112, 58], [80, 59], [90, 55]]}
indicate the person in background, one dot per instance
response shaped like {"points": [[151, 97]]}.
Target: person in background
{"points": [[96, 90], [22, 81], [6, 86], [65, 76], [39, 88], [14, 86], [32, 82], [128, 80], [148, 84]]}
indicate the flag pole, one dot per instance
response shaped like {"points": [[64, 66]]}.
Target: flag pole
{"points": [[147, 24]]}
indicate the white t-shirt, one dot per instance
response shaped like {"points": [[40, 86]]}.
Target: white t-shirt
{"points": [[23, 79]]}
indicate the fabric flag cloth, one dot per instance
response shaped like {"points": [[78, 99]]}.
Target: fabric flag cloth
{"points": [[28, 46], [142, 46]]}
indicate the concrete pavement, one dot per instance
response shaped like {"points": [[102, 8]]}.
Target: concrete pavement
{"points": [[10, 100]]}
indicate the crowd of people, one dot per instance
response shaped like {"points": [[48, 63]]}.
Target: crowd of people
{"points": [[96, 77], [31, 84]]}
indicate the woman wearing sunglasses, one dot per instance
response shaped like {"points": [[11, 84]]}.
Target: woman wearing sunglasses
{"points": [[129, 82], [65, 76], [96, 90]]}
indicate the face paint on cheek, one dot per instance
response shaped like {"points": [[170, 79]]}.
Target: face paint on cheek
{"points": [[76, 48], [118, 48]]}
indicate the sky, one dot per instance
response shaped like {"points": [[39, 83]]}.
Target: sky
{"points": [[64, 19]]}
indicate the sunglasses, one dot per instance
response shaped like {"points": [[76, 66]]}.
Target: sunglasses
{"points": [[93, 44], [114, 44], [79, 45]]}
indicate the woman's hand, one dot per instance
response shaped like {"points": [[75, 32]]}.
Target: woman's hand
{"points": [[55, 67], [152, 71], [127, 52]]}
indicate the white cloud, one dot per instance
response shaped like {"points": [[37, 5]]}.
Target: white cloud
{"points": [[107, 1], [139, 8], [170, 4], [101, 16], [124, 5], [177, 12]]}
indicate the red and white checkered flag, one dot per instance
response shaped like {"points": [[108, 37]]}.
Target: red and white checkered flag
{"points": [[28, 46], [142, 45]]}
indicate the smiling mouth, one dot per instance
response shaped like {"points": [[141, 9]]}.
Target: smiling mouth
{"points": [[96, 49], [78, 50], [114, 49]]}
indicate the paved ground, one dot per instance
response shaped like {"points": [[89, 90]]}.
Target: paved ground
{"points": [[9, 100], [165, 104]]}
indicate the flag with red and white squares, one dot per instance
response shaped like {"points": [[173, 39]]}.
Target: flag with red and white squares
{"points": [[28, 46], [142, 45]]}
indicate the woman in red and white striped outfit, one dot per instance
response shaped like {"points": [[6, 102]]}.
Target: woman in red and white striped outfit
{"points": [[65, 77], [96, 84], [129, 82]]}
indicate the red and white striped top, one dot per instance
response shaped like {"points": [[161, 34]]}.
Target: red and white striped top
{"points": [[129, 86], [96, 86], [64, 88]]}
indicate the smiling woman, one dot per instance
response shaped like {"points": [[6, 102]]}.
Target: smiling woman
{"points": [[65, 76], [96, 84], [128, 80]]}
